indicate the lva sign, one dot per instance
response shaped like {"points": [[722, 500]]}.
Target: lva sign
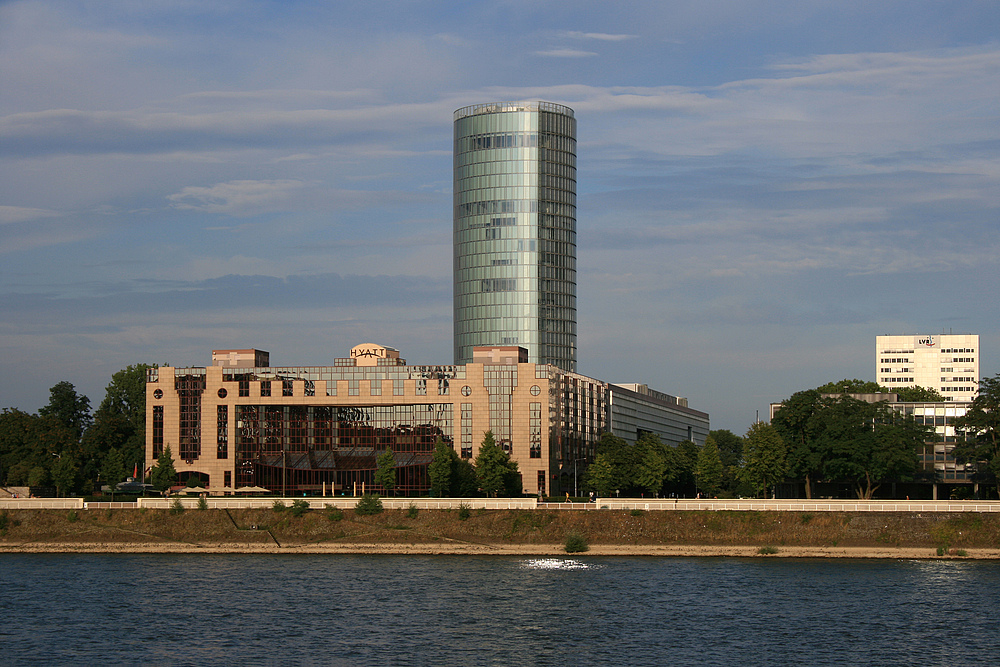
{"points": [[926, 342]]}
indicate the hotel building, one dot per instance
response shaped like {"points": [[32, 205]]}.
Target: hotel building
{"points": [[318, 429]]}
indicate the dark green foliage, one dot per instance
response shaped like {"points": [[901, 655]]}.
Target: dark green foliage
{"points": [[440, 467], [905, 394], [299, 507], [164, 474], [851, 387], [576, 543], [794, 422], [635, 511], [65, 475], [709, 470], [278, 506], [113, 469], [120, 420], [866, 443], [980, 431], [600, 476], [30, 442], [496, 471], [385, 472], [766, 551], [464, 483], [464, 511], [177, 507], [764, 462], [841, 438], [202, 503], [72, 517], [412, 511], [369, 503], [71, 410], [334, 513], [917, 394], [730, 447]]}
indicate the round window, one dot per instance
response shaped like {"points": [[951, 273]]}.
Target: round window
{"points": [[158, 393], [466, 390], [535, 390], [222, 392]]}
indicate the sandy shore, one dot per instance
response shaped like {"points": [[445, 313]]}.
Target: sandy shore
{"points": [[467, 549]]}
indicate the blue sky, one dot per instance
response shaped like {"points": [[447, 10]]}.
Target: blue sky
{"points": [[764, 186]]}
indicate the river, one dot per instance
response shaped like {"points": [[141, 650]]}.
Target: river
{"points": [[475, 610]]}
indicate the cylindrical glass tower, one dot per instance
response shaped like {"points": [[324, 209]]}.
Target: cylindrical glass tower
{"points": [[515, 230]]}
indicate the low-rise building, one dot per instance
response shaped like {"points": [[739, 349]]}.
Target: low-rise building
{"points": [[319, 429]]}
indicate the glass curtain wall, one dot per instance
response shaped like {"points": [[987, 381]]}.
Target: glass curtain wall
{"points": [[515, 230]]}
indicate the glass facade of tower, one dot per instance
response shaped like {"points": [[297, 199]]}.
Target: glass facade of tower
{"points": [[515, 230]]}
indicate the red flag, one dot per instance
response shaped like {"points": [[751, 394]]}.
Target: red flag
{"points": [[135, 471]]}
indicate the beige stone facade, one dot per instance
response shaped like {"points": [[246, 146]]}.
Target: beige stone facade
{"points": [[318, 429]]}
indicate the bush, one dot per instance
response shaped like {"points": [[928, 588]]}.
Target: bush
{"points": [[333, 513], [576, 543], [177, 507], [962, 553], [767, 551], [806, 518], [300, 507], [370, 503], [636, 512], [464, 511], [72, 517], [278, 506], [202, 503], [411, 511]]}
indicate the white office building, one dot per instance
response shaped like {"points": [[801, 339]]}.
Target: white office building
{"points": [[948, 363]]}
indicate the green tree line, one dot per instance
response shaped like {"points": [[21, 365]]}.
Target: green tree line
{"points": [[67, 446]]}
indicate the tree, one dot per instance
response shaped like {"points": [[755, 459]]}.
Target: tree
{"points": [[763, 457], [917, 394], [866, 443], [64, 475], [796, 425], [980, 431], [709, 469], [657, 463], [687, 460], [601, 475], [439, 469], [905, 394], [120, 420], [851, 387], [730, 447], [164, 474], [494, 468], [385, 470], [622, 461], [113, 469], [31, 441], [464, 483], [71, 410]]}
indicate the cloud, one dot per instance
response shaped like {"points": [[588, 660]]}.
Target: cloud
{"points": [[565, 53], [12, 214], [238, 198], [600, 36]]}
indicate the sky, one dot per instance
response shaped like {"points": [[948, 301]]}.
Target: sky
{"points": [[763, 185]]}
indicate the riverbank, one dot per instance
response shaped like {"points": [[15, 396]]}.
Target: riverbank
{"points": [[505, 532]]}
